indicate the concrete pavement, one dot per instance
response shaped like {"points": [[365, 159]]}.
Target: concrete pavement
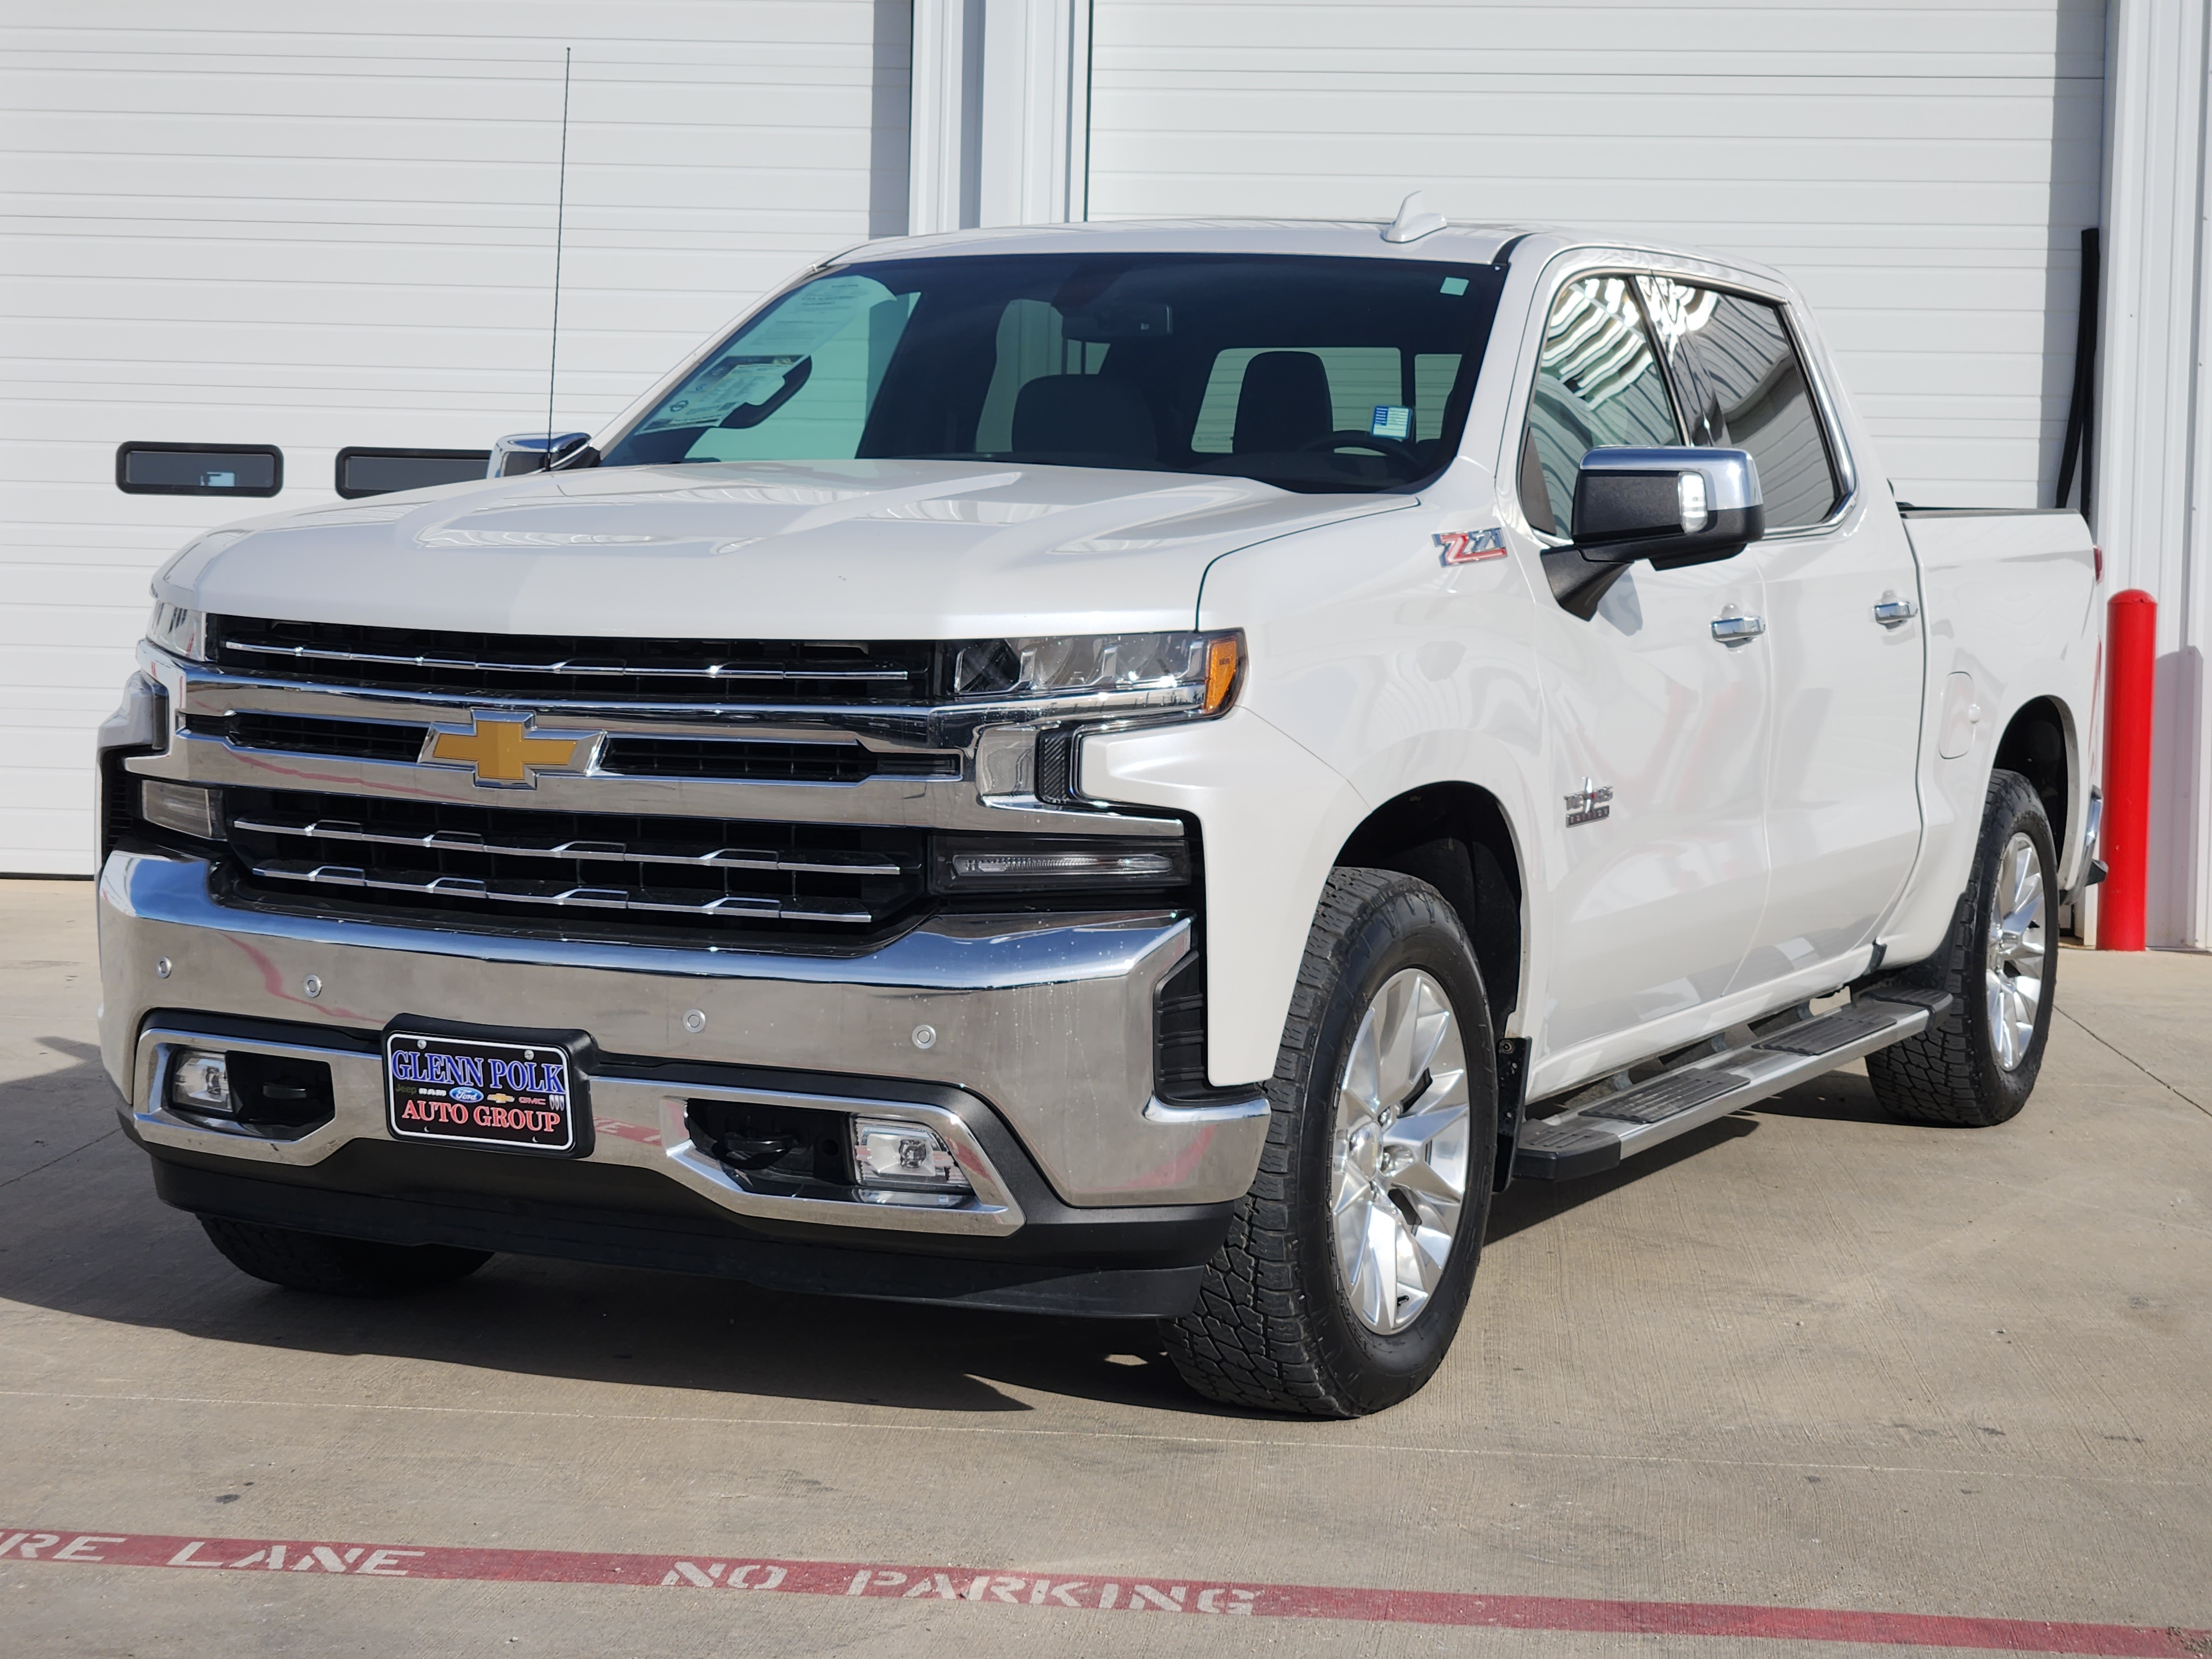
{"points": [[1804, 1358]]}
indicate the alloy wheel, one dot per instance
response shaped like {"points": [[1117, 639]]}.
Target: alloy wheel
{"points": [[1401, 1159], [2016, 955]]}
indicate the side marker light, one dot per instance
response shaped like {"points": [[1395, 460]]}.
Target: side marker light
{"points": [[1225, 663]]}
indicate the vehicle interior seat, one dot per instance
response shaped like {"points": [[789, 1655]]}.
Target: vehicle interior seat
{"points": [[1283, 404], [1084, 414]]}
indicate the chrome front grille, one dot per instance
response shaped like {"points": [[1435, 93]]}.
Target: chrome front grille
{"points": [[481, 862], [725, 673], [689, 805], [828, 759]]}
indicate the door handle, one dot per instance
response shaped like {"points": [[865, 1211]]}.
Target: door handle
{"points": [[1893, 612], [1735, 630]]}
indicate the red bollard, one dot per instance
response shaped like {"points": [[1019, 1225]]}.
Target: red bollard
{"points": [[2130, 659]]}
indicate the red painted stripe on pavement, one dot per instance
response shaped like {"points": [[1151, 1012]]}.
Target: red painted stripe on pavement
{"points": [[1121, 1592]]}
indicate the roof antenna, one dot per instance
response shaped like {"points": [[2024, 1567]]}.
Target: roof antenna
{"points": [[1413, 222], [560, 222]]}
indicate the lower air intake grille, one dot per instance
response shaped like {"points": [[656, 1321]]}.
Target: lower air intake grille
{"points": [[589, 872]]}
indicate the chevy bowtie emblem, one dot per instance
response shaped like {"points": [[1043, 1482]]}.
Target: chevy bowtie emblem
{"points": [[508, 751]]}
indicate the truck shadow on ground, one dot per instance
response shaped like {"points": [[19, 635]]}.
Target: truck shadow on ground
{"points": [[1526, 1204], [82, 1233]]}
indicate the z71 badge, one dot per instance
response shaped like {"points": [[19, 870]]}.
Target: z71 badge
{"points": [[1471, 546]]}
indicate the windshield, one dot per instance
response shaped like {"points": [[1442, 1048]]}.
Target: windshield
{"points": [[1309, 374]]}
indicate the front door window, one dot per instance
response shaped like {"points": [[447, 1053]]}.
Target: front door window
{"points": [[1599, 386]]}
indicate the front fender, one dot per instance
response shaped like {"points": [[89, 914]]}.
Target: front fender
{"points": [[1272, 816]]}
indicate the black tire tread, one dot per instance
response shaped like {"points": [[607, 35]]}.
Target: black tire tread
{"points": [[1248, 1342], [1942, 1076], [337, 1267]]}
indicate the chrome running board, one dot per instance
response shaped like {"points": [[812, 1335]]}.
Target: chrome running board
{"points": [[1599, 1130]]}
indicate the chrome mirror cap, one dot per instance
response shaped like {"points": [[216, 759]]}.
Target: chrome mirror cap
{"points": [[535, 452], [1673, 507], [1730, 475]]}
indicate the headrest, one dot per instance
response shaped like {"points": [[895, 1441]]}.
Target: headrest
{"points": [[1084, 415], [1284, 403]]}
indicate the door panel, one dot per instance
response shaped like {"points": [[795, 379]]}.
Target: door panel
{"points": [[1843, 816], [1657, 891], [1655, 904]]}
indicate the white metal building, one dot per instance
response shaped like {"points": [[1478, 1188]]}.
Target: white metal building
{"points": [[314, 227]]}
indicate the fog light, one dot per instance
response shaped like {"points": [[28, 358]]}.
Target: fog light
{"points": [[906, 1156], [181, 807], [200, 1082]]}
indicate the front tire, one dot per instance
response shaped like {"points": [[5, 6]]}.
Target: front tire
{"points": [[1346, 1269], [1977, 1062], [337, 1267]]}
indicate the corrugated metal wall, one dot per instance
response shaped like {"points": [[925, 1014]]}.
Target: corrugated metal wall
{"points": [[258, 223], [314, 227], [1923, 171]]}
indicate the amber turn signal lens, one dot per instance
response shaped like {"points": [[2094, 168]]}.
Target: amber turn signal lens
{"points": [[1224, 662]]}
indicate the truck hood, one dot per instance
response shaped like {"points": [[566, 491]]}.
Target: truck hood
{"points": [[840, 549]]}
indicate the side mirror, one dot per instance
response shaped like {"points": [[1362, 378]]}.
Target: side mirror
{"points": [[1673, 507], [537, 452]]}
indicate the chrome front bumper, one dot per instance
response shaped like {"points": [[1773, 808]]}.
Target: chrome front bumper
{"points": [[1044, 1025]]}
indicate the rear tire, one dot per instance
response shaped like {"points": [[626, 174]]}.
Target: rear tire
{"points": [[337, 1267], [1347, 1268], [1976, 1064]]}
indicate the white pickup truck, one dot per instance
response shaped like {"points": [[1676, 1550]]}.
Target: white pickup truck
{"points": [[1135, 770]]}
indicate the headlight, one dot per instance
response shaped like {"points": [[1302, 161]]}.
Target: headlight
{"points": [[180, 632], [1103, 672]]}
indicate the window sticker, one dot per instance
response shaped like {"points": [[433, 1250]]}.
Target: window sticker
{"points": [[818, 313], [1454, 285], [1392, 421], [761, 359], [718, 390]]}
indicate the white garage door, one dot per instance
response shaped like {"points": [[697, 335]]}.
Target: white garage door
{"points": [[1923, 172], [315, 226]]}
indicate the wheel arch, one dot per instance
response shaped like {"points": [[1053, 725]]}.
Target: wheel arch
{"points": [[1458, 837], [2039, 743]]}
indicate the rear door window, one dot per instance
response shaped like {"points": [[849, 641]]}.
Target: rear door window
{"points": [[1746, 388], [1599, 386]]}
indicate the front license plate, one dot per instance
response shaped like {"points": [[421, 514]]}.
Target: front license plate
{"points": [[462, 1092]]}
